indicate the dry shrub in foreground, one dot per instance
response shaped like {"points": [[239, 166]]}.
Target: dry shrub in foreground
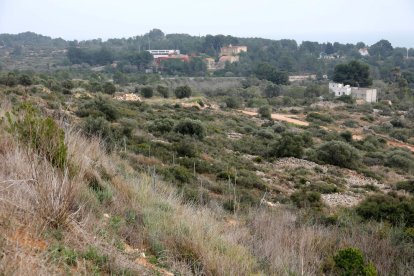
{"points": [[34, 189], [288, 247]]}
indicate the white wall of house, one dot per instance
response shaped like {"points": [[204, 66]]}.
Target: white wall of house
{"points": [[339, 89]]}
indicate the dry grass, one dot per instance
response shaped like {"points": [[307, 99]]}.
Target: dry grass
{"points": [[35, 197], [39, 197], [289, 247]]}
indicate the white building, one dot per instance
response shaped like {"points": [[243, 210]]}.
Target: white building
{"points": [[163, 53], [363, 52], [339, 89], [369, 95]]}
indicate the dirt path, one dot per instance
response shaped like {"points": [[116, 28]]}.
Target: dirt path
{"points": [[401, 145], [279, 117]]}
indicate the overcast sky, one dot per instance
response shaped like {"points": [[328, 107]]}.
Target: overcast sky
{"points": [[315, 20]]}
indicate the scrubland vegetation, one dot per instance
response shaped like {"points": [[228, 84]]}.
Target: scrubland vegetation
{"points": [[130, 174]]}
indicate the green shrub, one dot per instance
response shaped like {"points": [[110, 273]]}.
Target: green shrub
{"points": [[161, 125], [400, 159], [233, 102], [66, 255], [394, 209], [183, 92], [40, 134], [346, 135], [265, 112], [338, 153], [178, 173], [303, 198], [190, 127], [374, 158], [97, 108], [318, 117], [109, 88], [93, 255], [400, 134], [68, 84], [186, 147], [279, 127], [350, 262], [346, 99], [147, 92], [351, 123], [99, 127], [323, 187], [407, 185], [163, 91], [25, 80], [289, 145]]}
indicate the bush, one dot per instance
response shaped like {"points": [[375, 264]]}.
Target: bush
{"points": [[187, 148], [232, 102], [109, 88], [338, 153], [161, 125], [43, 135], [147, 92], [98, 127], [272, 90], [400, 159], [163, 91], [190, 127], [406, 185], [351, 123], [303, 198], [289, 145], [346, 99], [265, 112], [183, 92], [394, 209], [350, 262], [279, 127], [323, 187], [25, 80], [400, 134], [178, 173], [98, 108], [346, 135], [317, 117]]}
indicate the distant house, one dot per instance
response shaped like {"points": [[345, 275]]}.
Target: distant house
{"points": [[160, 55], [368, 95], [163, 53], [363, 52], [339, 89], [232, 50], [224, 59], [324, 55], [227, 54], [210, 63]]}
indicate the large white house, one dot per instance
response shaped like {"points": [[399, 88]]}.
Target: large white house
{"points": [[369, 95]]}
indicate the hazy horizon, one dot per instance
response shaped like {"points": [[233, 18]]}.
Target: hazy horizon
{"points": [[323, 21]]}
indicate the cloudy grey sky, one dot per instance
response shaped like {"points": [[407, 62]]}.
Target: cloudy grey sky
{"points": [[316, 20]]}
